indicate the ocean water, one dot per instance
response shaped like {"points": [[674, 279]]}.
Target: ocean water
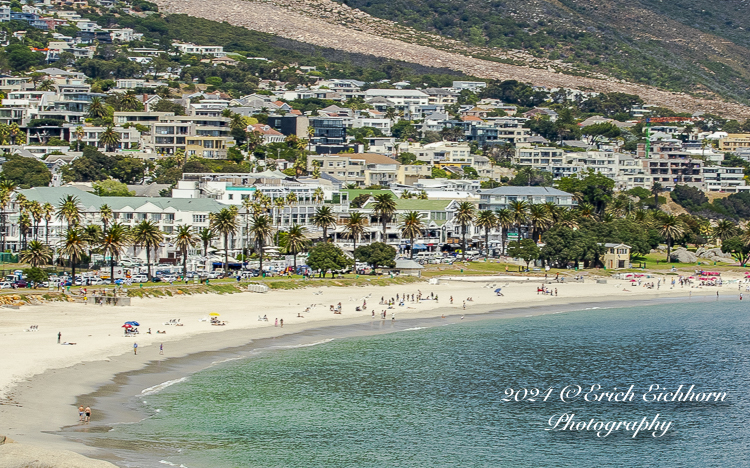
{"points": [[436, 396]]}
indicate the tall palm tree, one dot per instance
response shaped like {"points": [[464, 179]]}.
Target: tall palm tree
{"points": [[48, 211], [185, 239], [97, 108], [384, 208], [670, 227], [568, 219], [520, 211], [291, 198], [6, 194], [73, 247], [247, 205], [539, 219], [129, 102], [411, 227], [464, 216], [109, 138], [355, 226], [486, 219], [24, 226], [724, 229], [206, 236], [112, 244], [586, 211], [279, 203], [261, 230], [35, 211], [224, 223], [79, 133], [92, 234], [318, 195], [295, 241], [105, 213], [69, 211], [505, 221], [36, 254], [146, 234], [324, 218]]}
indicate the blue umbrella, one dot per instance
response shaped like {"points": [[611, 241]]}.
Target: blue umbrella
{"points": [[133, 323], [498, 290]]}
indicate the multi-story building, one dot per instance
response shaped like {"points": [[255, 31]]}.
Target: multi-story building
{"points": [[733, 141], [675, 169], [361, 169], [402, 99], [501, 197], [724, 179], [201, 135], [188, 48], [470, 85]]}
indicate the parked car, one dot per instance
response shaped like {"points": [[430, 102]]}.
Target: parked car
{"points": [[139, 278], [6, 285], [170, 278], [22, 283]]}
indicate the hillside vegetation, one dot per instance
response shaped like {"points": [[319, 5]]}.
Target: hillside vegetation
{"points": [[680, 45]]}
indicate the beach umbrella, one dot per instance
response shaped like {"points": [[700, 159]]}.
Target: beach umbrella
{"points": [[127, 325], [214, 314], [133, 323], [498, 290]]}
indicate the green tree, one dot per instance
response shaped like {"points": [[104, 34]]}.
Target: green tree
{"points": [[671, 228], [384, 208], [324, 219], [261, 230], [73, 247], [738, 247], [355, 226], [487, 220], [185, 239], [36, 275], [97, 108], [377, 254], [224, 223], [25, 172], [112, 188], [463, 216], [296, 241], [109, 139], [525, 249], [36, 254], [112, 243], [325, 256], [146, 234], [411, 227]]}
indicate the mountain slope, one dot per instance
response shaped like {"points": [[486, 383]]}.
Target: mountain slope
{"points": [[329, 24]]}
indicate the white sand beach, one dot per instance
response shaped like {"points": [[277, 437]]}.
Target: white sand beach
{"points": [[40, 378]]}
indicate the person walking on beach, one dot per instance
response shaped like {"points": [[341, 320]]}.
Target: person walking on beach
{"points": [[464, 305], [276, 324], [80, 413], [88, 414], [135, 348], [59, 335], [451, 299], [281, 323], [161, 348]]}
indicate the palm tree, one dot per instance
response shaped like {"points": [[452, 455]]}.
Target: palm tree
{"points": [[6, 193], [68, 210], [324, 218], [670, 227], [519, 209], [405, 195], [92, 234], [206, 236], [109, 138], [291, 198], [73, 247], [47, 212], [224, 223], [464, 216], [539, 219], [185, 239], [35, 211], [36, 254], [247, 205], [79, 133], [24, 225], [296, 241], [318, 195], [505, 221], [97, 109], [568, 219], [146, 234], [724, 230], [129, 102], [384, 208], [105, 213], [411, 227], [112, 243], [355, 226], [486, 219], [279, 203], [261, 230], [586, 211]]}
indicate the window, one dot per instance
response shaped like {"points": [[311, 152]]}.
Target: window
{"points": [[199, 218]]}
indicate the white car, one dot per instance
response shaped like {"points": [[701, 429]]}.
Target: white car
{"points": [[140, 278], [169, 278], [6, 285]]}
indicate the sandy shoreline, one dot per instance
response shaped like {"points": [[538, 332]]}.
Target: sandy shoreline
{"points": [[41, 380]]}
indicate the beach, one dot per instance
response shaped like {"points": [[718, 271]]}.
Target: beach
{"points": [[42, 380]]}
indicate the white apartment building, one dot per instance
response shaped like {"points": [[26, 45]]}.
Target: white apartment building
{"points": [[724, 179], [403, 99], [188, 48], [470, 85], [359, 168]]}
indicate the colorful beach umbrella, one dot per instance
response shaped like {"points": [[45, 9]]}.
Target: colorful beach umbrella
{"points": [[133, 323], [214, 314], [127, 325]]}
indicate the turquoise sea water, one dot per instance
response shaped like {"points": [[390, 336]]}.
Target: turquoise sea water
{"points": [[433, 397]]}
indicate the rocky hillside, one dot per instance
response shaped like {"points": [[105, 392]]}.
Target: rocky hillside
{"points": [[329, 24]]}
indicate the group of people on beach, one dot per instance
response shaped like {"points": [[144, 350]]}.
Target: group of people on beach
{"points": [[84, 414]]}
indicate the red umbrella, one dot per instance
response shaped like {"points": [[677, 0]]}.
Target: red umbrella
{"points": [[127, 325]]}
